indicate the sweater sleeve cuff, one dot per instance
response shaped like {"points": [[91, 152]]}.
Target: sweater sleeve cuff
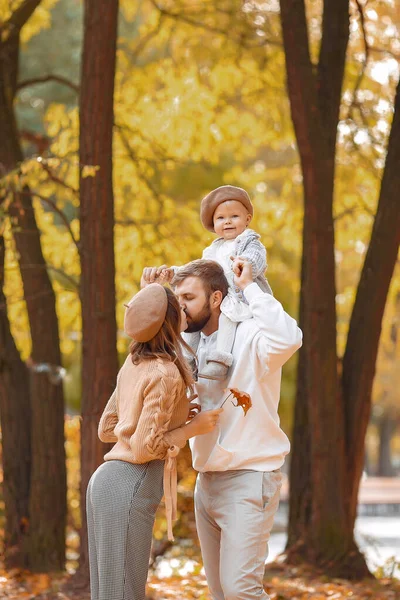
{"points": [[253, 291], [176, 437]]}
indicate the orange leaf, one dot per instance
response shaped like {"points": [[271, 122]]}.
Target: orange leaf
{"points": [[243, 399]]}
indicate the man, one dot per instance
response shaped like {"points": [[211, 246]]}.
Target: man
{"points": [[237, 489]]}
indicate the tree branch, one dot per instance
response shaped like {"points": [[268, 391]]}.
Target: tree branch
{"points": [[142, 43], [142, 176], [180, 16], [45, 78], [365, 324], [69, 278], [56, 179], [57, 210], [26, 298], [331, 63], [300, 77], [366, 57], [18, 18]]}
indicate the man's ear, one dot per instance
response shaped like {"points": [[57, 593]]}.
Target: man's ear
{"points": [[216, 299]]}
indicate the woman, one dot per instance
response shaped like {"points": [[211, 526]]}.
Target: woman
{"points": [[146, 417]]}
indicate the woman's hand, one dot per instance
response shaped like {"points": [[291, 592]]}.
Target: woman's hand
{"points": [[204, 422]]}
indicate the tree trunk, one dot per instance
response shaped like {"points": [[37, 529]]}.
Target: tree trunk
{"points": [[387, 426], [99, 352], [319, 516], [366, 320], [47, 498], [14, 376], [300, 492], [15, 430], [48, 492]]}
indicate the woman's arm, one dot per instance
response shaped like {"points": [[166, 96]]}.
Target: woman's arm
{"points": [[151, 439], [108, 420]]}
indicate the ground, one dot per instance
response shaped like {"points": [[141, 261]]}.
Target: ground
{"points": [[282, 583]]}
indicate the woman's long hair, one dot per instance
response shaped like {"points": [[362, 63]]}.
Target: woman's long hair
{"points": [[167, 343]]}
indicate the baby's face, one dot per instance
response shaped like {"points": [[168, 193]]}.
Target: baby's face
{"points": [[230, 219]]}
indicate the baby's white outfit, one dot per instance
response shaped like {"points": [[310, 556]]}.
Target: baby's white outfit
{"points": [[234, 307], [248, 246]]}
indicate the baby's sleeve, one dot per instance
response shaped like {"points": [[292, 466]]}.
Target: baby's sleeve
{"points": [[256, 254]]}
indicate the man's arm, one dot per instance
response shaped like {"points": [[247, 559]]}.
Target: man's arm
{"points": [[280, 336]]}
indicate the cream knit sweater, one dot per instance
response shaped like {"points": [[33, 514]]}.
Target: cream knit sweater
{"points": [[144, 416]]}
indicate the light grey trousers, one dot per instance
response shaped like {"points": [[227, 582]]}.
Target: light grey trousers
{"points": [[121, 502], [234, 516]]}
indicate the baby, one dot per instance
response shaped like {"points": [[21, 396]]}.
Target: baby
{"points": [[227, 211]]}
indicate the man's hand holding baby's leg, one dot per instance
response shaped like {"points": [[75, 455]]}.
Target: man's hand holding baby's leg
{"points": [[243, 272]]}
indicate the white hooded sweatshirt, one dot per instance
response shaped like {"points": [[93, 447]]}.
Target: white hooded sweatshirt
{"points": [[262, 346]]}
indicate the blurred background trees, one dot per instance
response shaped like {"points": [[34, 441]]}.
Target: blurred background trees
{"points": [[200, 99], [333, 403], [99, 327], [35, 502]]}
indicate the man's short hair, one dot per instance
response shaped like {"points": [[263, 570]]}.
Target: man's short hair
{"points": [[210, 272]]}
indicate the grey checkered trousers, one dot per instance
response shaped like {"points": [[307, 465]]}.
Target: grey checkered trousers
{"points": [[121, 502]]}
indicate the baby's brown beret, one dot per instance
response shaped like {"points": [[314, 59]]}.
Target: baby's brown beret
{"points": [[210, 202], [145, 313]]}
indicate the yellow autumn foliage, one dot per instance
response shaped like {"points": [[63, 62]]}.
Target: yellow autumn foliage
{"points": [[195, 108]]}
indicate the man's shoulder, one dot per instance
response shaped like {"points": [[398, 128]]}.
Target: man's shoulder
{"points": [[247, 327]]}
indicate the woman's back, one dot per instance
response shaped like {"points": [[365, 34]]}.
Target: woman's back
{"points": [[149, 401]]}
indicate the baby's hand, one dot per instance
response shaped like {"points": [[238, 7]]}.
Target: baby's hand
{"points": [[237, 265], [165, 276], [161, 275]]}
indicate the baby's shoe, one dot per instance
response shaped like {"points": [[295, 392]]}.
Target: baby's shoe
{"points": [[217, 365]]}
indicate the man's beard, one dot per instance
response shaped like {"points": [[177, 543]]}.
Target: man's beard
{"points": [[197, 323]]}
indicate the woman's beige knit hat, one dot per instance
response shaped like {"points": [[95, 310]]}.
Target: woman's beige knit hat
{"points": [[145, 313], [221, 194]]}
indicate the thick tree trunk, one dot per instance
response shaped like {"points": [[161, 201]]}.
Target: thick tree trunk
{"points": [[319, 516], [47, 499], [99, 353], [48, 492], [366, 320], [15, 431], [14, 376]]}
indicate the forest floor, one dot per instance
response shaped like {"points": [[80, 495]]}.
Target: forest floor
{"points": [[281, 582]]}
